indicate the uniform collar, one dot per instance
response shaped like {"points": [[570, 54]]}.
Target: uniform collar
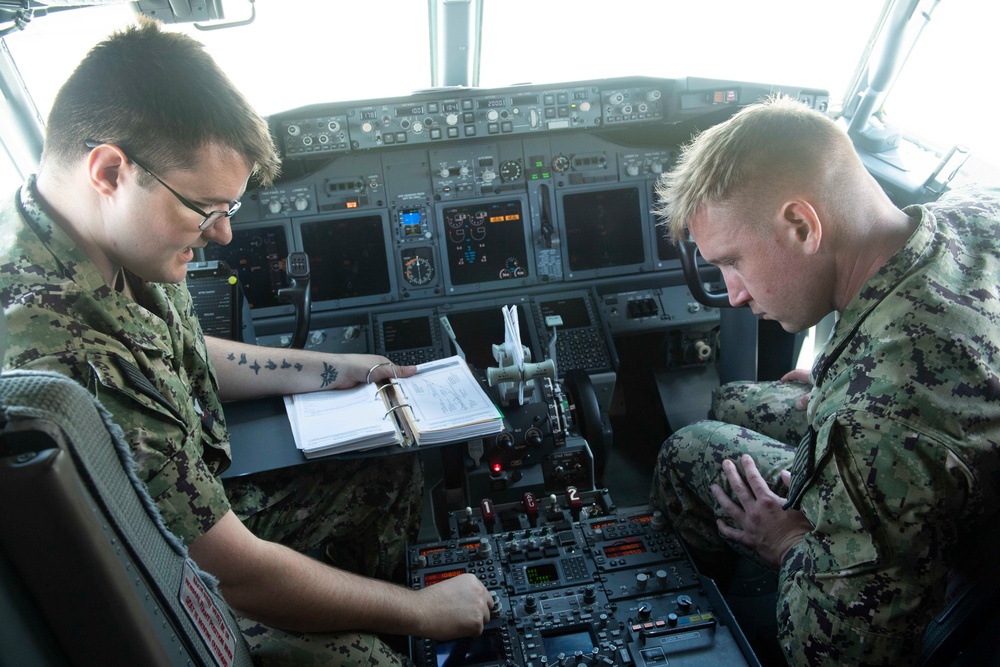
{"points": [[72, 260], [878, 287]]}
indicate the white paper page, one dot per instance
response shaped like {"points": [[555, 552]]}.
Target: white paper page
{"points": [[444, 394], [342, 415]]}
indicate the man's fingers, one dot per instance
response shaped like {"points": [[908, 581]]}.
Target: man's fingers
{"points": [[727, 504], [757, 483], [739, 487]]}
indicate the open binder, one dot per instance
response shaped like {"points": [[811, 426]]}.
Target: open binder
{"points": [[443, 402]]}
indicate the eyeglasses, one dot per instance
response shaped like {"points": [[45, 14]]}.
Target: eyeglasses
{"points": [[208, 219]]}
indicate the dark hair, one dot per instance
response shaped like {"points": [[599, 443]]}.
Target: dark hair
{"points": [[160, 97]]}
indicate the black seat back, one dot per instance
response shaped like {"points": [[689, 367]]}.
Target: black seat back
{"points": [[84, 554]]}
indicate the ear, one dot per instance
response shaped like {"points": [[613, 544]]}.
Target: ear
{"points": [[804, 226], [104, 168]]}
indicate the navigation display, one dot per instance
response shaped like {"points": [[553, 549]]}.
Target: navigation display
{"points": [[258, 256], [603, 229], [485, 242], [347, 258]]}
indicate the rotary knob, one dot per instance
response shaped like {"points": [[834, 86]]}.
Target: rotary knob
{"points": [[301, 203], [451, 119], [274, 206]]}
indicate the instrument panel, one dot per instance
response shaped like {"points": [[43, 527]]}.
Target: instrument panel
{"points": [[576, 580], [448, 202]]}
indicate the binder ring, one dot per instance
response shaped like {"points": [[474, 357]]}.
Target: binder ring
{"points": [[395, 407], [371, 370]]}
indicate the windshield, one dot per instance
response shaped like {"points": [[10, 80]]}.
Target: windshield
{"points": [[300, 52]]}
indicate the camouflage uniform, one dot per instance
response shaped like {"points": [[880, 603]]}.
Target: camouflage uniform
{"points": [[896, 470], [148, 365]]}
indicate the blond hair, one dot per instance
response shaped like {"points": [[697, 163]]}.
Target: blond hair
{"points": [[763, 149]]}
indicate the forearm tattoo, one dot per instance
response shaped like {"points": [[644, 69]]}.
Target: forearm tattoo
{"points": [[271, 365], [327, 377]]}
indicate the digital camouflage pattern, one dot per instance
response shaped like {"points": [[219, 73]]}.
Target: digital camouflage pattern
{"points": [[148, 365], [307, 513], [898, 468]]}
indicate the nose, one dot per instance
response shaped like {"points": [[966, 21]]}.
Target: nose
{"points": [[738, 294], [221, 232]]}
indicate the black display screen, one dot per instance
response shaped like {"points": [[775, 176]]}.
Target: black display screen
{"points": [[545, 573], [572, 311], [258, 257], [665, 248], [407, 333], [486, 242], [486, 648], [568, 643], [478, 330], [603, 229], [347, 258]]}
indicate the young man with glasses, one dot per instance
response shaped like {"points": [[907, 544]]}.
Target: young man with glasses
{"points": [[148, 149]]}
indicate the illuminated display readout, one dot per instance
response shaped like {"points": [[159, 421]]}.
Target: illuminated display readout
{"points": [[545, 573], [432, 578], [642, 518], [625, 548], [432, 550]]}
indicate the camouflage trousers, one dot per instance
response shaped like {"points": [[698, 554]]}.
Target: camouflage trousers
{"points": [[356, 514], [757, 418], [823, 611]]}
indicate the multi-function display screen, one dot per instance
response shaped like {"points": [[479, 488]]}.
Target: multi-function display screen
{"points": [[572, 311], [603, 229], [258, 256], [407, 333], [347, 257], [485, 242], [484, 649], [545, 573], [568, 643]]}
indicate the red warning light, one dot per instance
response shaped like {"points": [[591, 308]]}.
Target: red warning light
{"points": [[497, 467]]}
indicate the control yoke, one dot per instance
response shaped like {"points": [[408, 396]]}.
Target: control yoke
{"points": [[297, 270], [688, 252]]}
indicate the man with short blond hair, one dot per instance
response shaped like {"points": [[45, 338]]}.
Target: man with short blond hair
{"points": [[893, 477]]}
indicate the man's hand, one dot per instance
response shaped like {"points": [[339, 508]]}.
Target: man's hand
{"points": [[362, 368], [798, 375], [761, 523], [456, 607]]}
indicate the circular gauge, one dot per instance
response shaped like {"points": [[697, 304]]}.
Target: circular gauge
{"points": [[418, 270], [560, 163], [510, 170], [457, 221], [512, 269]]}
